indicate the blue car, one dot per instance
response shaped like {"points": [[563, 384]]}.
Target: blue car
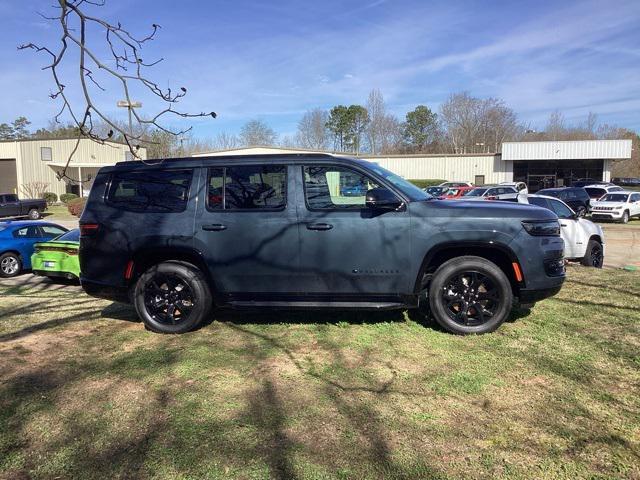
{"points": [[16, 243]]}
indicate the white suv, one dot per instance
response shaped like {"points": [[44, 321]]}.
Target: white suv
{"points": [[583, 240], [619, 206]]}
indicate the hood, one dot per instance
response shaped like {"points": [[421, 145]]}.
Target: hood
{"points": [[485, 209]]}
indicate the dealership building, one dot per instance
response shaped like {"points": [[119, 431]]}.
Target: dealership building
{"points": [[539, 164], [26, 162]]}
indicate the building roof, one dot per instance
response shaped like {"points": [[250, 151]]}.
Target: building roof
{"points": [[567, 150], [266, 149]]}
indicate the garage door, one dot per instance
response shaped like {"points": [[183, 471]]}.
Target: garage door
{"points": [[8, 176]]}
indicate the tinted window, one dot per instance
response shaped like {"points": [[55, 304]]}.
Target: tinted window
{"points": [[635, 197], [10, 198], [247, 187], [476, 192], [70, 236], [561, 209], [539, 202], [614, 197], [595, 192], [150, 191], [51, 231], [330, 187], [27, 232]]}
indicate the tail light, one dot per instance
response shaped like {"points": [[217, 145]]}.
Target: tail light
{"points": [[89, 229]]}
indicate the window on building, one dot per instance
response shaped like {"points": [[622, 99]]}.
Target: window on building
{"points": [[128, 156], [46, 154], [479, 180], [150, 191], [247, 187], [332, 188]]}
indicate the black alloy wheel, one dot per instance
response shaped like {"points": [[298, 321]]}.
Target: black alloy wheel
{"points": [[471, 298], [470, 295], [172, 297], [168, 299]]}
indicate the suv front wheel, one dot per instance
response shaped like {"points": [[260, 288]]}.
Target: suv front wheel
{"points": [[172, 297], [470, 295]]}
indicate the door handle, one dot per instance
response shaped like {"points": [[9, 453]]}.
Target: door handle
{"points": [[214, 227], [563, 224], [319, 226]]}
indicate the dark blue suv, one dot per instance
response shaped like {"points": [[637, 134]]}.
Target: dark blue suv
{"points": [[176, 237]]}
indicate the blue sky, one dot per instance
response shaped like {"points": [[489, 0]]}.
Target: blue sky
{"points": [[273, 60]]}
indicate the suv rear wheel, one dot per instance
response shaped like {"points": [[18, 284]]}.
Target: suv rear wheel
{"points": [[470, 295], [172, 297]]}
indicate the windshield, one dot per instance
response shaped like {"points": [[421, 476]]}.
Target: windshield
{"points": [[476, 192], [615, 197], [409, 189], [70, 236]]}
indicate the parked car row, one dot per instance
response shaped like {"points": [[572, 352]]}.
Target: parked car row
{"points": [[42, 247]]}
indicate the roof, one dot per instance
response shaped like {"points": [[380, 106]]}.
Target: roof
{"points": [[567, 150], [26, 223], [190, 162]]}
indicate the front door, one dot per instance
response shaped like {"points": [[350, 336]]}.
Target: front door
{"points": [[574, 242], [246, 227], [9, 205], [347, 249]]}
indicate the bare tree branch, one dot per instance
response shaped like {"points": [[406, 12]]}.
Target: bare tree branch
{"points": [[125, 49]]}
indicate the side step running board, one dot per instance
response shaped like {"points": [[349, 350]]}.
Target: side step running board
{"points": [[307, 304]]}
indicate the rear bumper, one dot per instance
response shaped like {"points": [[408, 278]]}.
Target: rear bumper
{"points": [[108, 292], [50, 273]]}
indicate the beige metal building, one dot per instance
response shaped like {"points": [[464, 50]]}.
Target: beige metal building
{"points": [[539, 164], [24, 162]]}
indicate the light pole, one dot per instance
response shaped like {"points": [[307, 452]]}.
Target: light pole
{"points": [[479, 144], [129, 106]]}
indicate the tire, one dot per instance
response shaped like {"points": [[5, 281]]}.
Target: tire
{"points": [[10, 265], [463, 280], [175, 284], [625, 217], [34, 214], [594, 256]]}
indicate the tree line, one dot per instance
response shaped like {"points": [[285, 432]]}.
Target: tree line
{"points": [[463, 124]]}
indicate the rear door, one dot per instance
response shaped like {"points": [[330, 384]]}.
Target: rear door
{"points": [[246, 228], [348, 251]]}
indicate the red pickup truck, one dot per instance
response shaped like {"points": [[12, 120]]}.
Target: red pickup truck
{"points": [[12, 206]]}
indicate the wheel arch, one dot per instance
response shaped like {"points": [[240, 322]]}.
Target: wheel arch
{"points": [[147, 257], [497, 253]]}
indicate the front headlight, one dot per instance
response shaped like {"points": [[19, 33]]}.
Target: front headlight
{"points": [[545, 228]]}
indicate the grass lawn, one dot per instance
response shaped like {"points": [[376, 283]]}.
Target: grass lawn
{"points": [[86, 392], [58, 212]]}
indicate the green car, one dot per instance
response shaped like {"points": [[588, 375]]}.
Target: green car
{"points": [[58, 258]]}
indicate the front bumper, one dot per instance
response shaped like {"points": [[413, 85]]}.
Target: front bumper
{"points": [[607, 214]]}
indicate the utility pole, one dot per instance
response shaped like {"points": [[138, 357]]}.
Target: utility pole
{"points": [[129, 106]]}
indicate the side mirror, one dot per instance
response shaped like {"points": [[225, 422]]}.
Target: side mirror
{"points": [[382, 199], [581, 212]]}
